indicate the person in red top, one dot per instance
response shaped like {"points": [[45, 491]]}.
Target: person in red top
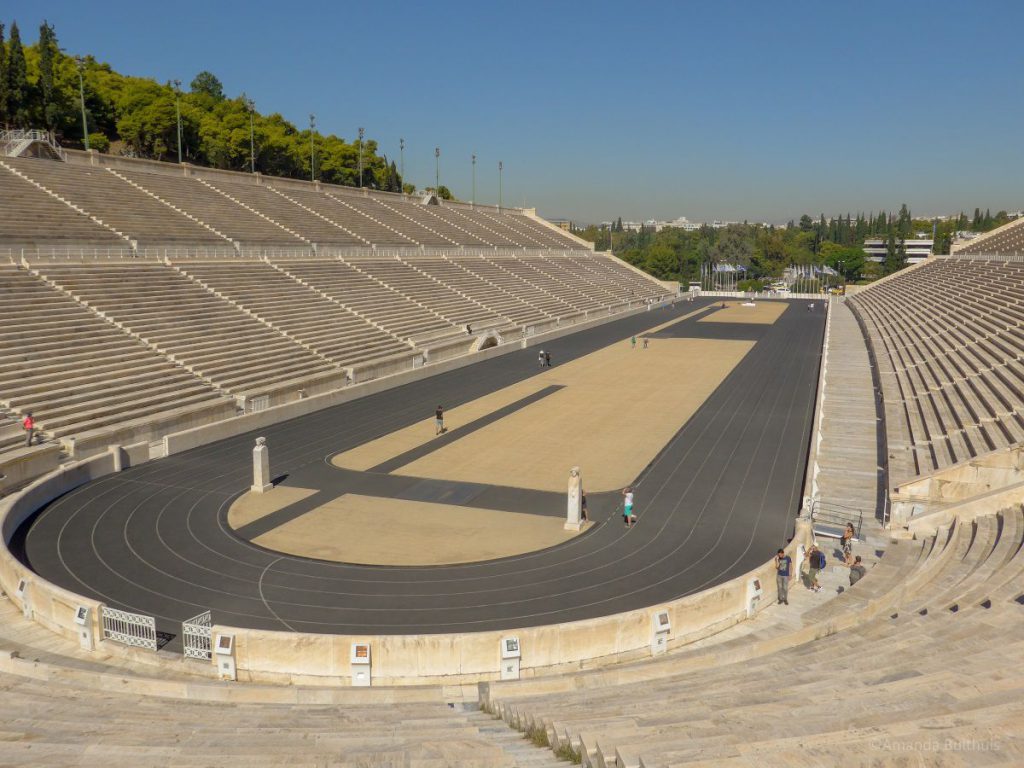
{"points": [[29, 426]]}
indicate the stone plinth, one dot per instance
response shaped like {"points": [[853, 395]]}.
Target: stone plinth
{"points": [[261, 467], [572, 516]]}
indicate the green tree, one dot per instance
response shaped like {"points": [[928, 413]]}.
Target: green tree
{"points": [[99, 142], [895, 255], [847, 260], [4, 114], [903, 223], [17, 81], [207, 84], [48, 54], [660, 260]]}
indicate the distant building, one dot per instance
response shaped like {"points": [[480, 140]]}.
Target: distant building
{"points": [[565, 224], [918, 249]]}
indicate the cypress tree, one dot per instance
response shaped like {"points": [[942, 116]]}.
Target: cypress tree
{"points": [[4, 118], [891, 257], [17, 81], [47, 56], [396, 182]]}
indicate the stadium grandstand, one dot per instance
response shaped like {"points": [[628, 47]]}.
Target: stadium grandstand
{"points": [[245, 537]]}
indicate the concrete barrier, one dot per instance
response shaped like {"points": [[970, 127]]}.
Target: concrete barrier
{"points": [[49, 605], [19, 466], [147, 429], [386, 366], [457, 659]]}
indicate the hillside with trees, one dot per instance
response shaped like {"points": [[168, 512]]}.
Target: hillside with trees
{"points": [[765, 251], [138, 117]]}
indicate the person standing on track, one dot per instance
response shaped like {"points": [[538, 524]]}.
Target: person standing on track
{"points": [[632, 342], [628, 517], [439, 420], [540, 358]]}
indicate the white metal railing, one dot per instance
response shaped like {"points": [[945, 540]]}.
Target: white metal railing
{"points": [[134, 629], [17, 140], [257, 403], [156, 253], [75, 252], [186, 252], [764, 295], [196, 634], [1014, 257]]}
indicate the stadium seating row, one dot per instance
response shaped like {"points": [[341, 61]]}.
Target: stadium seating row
{"points": [[92, 345], [949, 341], [48, 203], [1007, 240]]}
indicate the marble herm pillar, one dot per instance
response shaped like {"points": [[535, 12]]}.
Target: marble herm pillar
{"points": [[261, 467], [572, 517]]}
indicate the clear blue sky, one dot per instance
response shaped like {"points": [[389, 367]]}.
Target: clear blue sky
{"points": [[725, 109]]}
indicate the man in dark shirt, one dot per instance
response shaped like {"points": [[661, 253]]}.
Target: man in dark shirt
{"points": [[783, 566], [439, 420]]}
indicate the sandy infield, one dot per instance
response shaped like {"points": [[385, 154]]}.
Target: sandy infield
{"points": [[762, 313], [376, 531]]}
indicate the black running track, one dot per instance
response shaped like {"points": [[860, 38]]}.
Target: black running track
{"points": [[716, 502]]}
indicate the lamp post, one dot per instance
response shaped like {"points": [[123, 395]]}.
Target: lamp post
{"points": [[401, 161], [437, 172], [81, 94], [251, 106], [474, 179], [312, 148], [361, 134], [500, 167]]}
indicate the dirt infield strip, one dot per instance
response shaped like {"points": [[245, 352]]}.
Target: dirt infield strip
{"points": [[373, 531]]}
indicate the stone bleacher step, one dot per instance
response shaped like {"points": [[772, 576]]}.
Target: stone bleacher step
{"points": [[514, 743]]}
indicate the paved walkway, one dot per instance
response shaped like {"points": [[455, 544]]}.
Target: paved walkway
{"points": [[849, 475]]}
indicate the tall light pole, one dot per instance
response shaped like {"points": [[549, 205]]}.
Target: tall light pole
{"points": [[251, 106], [401, 161], [81, 94], [474, 179], [500, 167], [177, 113], [312, 148], [437, 171], [361, 134]]}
